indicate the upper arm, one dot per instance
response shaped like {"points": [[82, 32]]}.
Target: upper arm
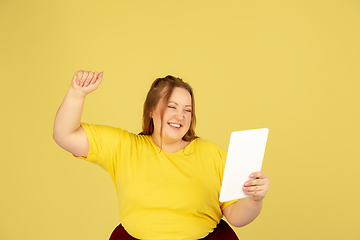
{"points": [[77, 143], [243, 212], [227, 211]]}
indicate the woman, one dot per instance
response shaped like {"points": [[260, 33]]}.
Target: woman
{"points": [[167, 179]]}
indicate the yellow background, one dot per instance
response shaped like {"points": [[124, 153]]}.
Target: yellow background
{"points": [[291, 66]]}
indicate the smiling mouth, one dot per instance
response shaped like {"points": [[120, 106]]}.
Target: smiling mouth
{"points": [[175, 125]]}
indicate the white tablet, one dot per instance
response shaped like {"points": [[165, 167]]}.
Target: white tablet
{"points": [[245, 156]]}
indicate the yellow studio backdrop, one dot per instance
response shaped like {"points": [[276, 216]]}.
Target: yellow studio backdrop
{"points": [[290, 66]]}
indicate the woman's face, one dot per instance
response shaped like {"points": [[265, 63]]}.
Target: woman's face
{"points": [[176, 119]]}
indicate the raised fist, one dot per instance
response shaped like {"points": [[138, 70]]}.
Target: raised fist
{"points": [[86, 81]]}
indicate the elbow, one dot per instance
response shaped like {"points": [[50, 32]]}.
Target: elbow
{"points": [[54, 136], [237, 223], [239, 220], [57, 140], [57, 137]]}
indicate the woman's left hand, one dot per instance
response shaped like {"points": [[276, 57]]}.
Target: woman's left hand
{"points": [[257, 187]]}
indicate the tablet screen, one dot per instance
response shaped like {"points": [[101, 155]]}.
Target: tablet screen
{"points": [[245, 156]]}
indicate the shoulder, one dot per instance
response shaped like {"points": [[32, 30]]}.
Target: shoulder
{"points": [[207, 143], [208, 146], [104, 131], [103, 128]]}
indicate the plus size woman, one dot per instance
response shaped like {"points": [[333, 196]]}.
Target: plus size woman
{"points": [[167, 179]]}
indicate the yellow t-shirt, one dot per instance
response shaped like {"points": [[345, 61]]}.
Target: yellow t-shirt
{"points": [[161, 195]]}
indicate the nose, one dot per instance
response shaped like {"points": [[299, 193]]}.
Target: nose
{"points": [[179, 115]]}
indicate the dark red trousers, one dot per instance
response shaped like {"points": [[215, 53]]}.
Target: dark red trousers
{"points": [[222, 232]]}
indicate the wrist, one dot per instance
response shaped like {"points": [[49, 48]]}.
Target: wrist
{"points": [[256, 199], [76, 93]]}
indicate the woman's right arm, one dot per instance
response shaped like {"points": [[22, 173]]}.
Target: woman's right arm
{"points": [[68, 132]]}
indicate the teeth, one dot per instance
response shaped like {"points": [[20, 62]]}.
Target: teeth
{"points": [[174, 125]]}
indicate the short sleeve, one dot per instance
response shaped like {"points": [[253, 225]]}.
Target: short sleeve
{"points": [[104, 144], [226, 204]]}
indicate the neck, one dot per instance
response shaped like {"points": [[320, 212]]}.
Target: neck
{"points": [[168, 146]]}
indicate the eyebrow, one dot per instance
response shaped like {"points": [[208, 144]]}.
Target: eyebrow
{"points": [[178, 104]]}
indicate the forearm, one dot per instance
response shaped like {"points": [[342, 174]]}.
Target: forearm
{"points": [[68, 117], [68, 133], [244, 212]]}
